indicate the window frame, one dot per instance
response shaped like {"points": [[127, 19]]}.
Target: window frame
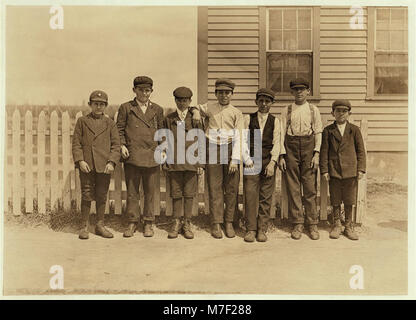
{"points": [[371, 33], [263, 52]]}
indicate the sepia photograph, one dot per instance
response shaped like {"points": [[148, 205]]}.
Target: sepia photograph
{"points": [[204, 149]]}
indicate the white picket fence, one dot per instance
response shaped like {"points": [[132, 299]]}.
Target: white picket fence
{"points": [[48, 180]]}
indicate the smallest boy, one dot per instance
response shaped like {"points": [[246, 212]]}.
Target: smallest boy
{"points": [[342, 161], [96, 150], [183, 175]]}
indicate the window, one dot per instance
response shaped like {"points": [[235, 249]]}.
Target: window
{"points": [[291, 48], [388, 50]]}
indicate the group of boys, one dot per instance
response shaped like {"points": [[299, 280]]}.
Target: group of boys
{"points": [[297, 145]]}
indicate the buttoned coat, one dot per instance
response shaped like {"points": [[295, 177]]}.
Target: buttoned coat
{"points": [[342, 156], [137, 131], [95, 146]]}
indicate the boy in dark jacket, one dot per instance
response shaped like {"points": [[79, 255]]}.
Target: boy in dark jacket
{"points": [[342, 161], [96, 150], [183, 175]]}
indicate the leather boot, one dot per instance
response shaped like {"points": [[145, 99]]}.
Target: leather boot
{"points": [[229, 230], [175, 229], [84, 233], [297, 231], [148, 229], [261, 231], [336, 229], [250, 236], [187, 233], [102, 231], [216, 231], [349, 231], [313, 232], [130, 230]]}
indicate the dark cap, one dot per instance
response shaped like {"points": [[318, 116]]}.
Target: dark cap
{"points": [[142, 81], [99, 95], [182, 92], [342, 103], [265, 92], [224, 84], [299, 83]]}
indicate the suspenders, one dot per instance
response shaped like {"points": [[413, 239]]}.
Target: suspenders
{"points": [[289, 116]]}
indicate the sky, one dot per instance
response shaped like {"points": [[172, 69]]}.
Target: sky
{"points": [[99, 48]]}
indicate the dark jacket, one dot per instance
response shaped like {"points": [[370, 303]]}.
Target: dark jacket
{"points": [[137, 131], [94, 144], [171, 123], [342, 156]]}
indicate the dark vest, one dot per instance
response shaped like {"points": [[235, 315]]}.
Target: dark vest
{"points": [[267, 138]]}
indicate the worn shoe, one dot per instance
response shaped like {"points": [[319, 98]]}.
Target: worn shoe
{"points": [[148, 229], [187, 233], [130, 230], [297, 231], [216, 231], [83, 235], [102, 231], [313, 232], [261, 235], [250, 236], [336, 230], [229, 230], [350, 233], [175, 229]]}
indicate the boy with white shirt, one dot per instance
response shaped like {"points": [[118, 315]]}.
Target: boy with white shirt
{"points": [[299, 157], [342, 161], [258, 188]]}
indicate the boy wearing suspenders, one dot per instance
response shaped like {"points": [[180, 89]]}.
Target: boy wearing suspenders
{"points": [[299, 158]]}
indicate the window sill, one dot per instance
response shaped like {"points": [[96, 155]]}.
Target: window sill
{"points": [[390, 98], [291, 98]]}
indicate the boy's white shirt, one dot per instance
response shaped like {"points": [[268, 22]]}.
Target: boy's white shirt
{"points": [[182, 114], [341, 128]]}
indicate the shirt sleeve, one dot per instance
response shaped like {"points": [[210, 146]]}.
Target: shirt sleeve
{"points": [[283, 131], [203, 109], [236, 153], [246, 132], [276, 140], [317, 129]]}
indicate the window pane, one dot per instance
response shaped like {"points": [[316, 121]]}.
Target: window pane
{"points": [[383, 17], [397, 40], [382, 40], [275, 19], [391, 74], [290, 62], [304, 19], [275, 63], [275, 40], [286, 80], [304, 63], [307, 76], [398, 19], [289, 40], [304, 40], [289, 19], [274, 82]]}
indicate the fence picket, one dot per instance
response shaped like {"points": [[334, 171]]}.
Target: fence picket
{"points": [[41, 164], [66, 161], [16, 163], [77, 181], [54, 161], [7, 180], [28, 163]]}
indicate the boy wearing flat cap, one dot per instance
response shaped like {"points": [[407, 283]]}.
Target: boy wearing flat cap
{"points": [[258, 188], [299, 157], [183, 175], [96, 151], [342, 161], [137, 121], [223, 126]]}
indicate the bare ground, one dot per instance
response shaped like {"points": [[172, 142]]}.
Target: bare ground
{"points": [[205, 265]]}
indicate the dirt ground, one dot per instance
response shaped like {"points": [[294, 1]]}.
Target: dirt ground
{"points": [[205, 265]]}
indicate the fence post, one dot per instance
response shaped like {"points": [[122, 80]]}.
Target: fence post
{"points": [[66, 161], [77, 181], [41, 164], [16, 163], [28, 162], [362, 183], [54, 161]]}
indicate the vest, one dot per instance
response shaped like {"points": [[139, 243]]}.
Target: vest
{"points": [[267, 137]]}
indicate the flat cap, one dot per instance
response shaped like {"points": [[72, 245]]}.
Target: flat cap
{"points": [[265, 92], [299, 83], [341, 102], [98, 95], [182, 92], [224, 84], [142, 81]]}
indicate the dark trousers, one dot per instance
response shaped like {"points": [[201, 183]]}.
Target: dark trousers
{"points": [[299, 153], [183, 184], [258, 198], [94, 187], [222, 188], [148, 177]]}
